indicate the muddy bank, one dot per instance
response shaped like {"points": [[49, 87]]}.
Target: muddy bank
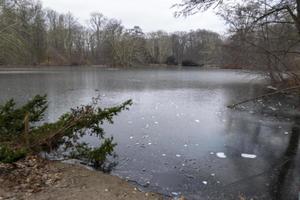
{"points": [[37, 179]]}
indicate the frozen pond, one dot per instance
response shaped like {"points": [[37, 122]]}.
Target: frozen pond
{"points": [[179, 137]]}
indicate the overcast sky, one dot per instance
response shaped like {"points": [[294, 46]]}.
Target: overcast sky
{"points": [[150, 15]]}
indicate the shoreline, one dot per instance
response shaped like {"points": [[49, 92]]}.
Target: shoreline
{"points": [[38, 179], [155, 66]]}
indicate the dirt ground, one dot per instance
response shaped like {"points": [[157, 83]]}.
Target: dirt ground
{"points": [[59, 181]]}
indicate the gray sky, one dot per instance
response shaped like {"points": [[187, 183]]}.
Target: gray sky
{"points": [[150, 15]]}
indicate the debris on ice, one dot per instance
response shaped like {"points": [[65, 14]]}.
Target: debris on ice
{"points": [[252, 156], [221, 155], [175, 193], [272, 108], [272, 88]]}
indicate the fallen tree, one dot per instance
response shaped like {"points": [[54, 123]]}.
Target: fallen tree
{"points": [[22, 131], [264, 96]]}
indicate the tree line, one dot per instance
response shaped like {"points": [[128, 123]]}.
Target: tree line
{"points": [[263, 34], [32, 35]]}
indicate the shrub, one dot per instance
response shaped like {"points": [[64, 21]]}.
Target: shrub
{"points": [[17, 142]]}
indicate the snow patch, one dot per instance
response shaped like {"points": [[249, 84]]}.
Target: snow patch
{"points": [[221, 155], [252, 156]]}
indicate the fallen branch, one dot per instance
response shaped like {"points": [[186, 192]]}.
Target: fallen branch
{"points": [[263, 96], [60, 133]]}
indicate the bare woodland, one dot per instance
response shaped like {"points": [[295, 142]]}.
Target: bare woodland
{"points": [[33, 35], [262, 35]]}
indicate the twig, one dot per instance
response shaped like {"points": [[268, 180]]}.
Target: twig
{"points": [[263, 96], [26, 128], [48, 140]]}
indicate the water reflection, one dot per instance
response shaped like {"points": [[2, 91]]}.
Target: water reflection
{"points": [[284, 176]]}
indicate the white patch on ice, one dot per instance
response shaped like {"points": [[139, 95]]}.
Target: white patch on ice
{"points": [[175, 193], [271, 87], [224, 120], [185, 145], [204, 182], [149, 143], [129, 122], [272, 108], [164, 155], [252, 156], [131, 137], [286, 133], [147, 126], [178, 155], [221, 155], [213, 174], [251, 112], [197, 145], [197, 121], [155, 122]]}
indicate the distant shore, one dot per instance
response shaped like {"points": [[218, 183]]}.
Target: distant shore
{"points": [[106, 66]]}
